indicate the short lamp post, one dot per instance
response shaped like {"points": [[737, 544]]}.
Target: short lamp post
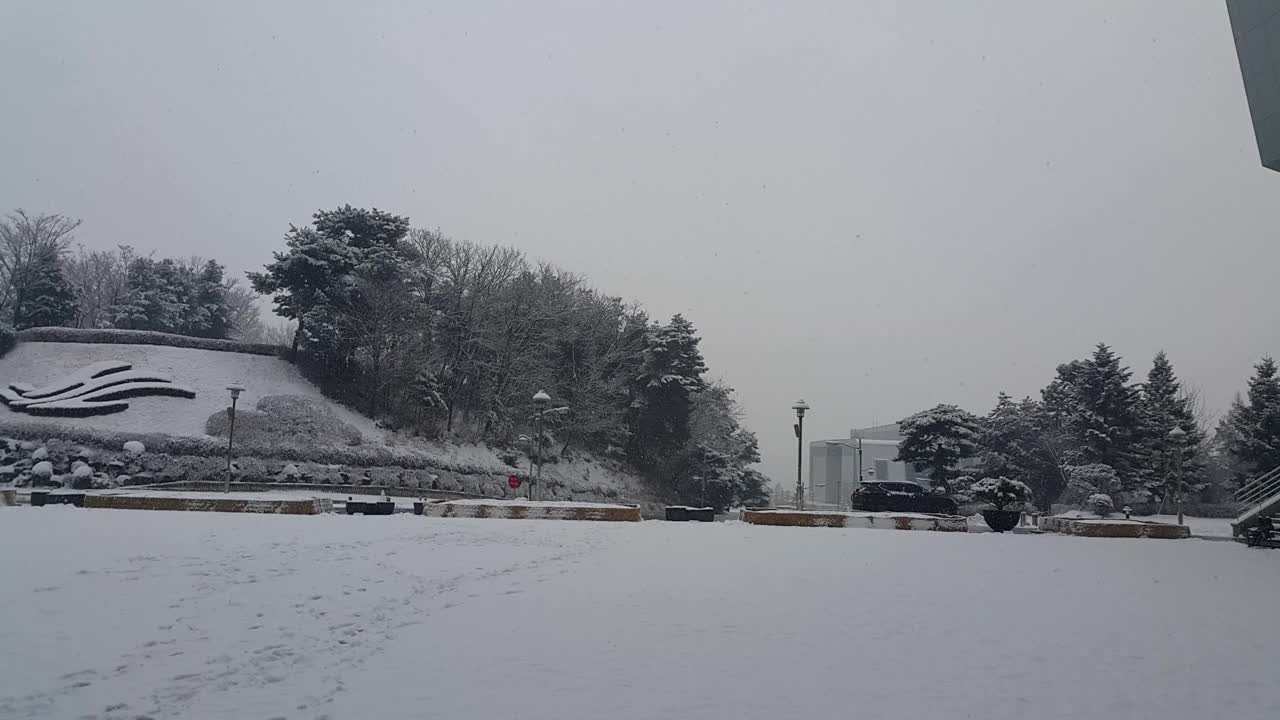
{"points": [[235, 391], [541, 401], [800, 407], [1177, 436]]}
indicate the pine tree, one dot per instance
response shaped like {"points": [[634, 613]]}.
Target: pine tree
{"points": [[1093, 403], [1163, 406], [47, 298], [670, 375], [936, 440], [316, 278], [1250, 431], [207, 313], [154, 297], [1015, 443]]}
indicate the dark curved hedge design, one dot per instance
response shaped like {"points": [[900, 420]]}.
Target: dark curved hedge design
{"points": [[142, 337], [97, 389]]}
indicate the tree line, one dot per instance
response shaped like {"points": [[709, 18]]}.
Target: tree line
{"points": [[447, 338], [1093, 430], [47, 281]]}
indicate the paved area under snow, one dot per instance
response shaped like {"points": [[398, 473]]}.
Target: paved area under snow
{"points": [[122, 614]]}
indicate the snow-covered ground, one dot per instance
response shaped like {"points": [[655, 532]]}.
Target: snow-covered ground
{"points": [[120, 614]]}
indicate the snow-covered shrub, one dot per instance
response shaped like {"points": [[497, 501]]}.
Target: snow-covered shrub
{"points": [[292, 419], [82, 477], [1084, 481], [7, 339], [141, 337], [39, 454], [133, 447], [1100, 504], [42, 469], [1001, 493]]}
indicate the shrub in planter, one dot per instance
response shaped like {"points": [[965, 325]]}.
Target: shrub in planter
{"points": [[1100, 504], [1006, 498]]}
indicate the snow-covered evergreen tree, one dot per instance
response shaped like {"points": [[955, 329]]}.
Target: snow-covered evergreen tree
{"points": [[1093, 401], [671, 373], [207, 313], [46, 298], [936, 440], [1016, 442], [1250, 431], [1164, 405]]}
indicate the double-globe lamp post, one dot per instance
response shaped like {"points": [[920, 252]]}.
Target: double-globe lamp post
{"points": [[800, 407], [235, 390], [1176, 436]]}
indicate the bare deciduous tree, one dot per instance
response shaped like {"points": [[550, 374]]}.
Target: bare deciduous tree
{"points": [[24, 240]]}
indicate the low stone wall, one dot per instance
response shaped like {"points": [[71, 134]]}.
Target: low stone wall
{"points": [[799, 518], [1114, 529], [282, 507], [607, 513]]}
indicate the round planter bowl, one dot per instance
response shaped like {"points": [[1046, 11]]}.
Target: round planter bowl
{"points": [[1001, 520]]}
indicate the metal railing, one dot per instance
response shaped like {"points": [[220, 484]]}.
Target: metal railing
{"points": [[1259, 489]]}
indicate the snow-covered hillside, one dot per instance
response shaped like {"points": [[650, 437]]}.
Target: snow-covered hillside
{"points": [[208, 373]]}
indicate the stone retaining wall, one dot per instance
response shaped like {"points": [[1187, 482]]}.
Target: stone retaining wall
{"points": [[938, 523], [1117, 529], [533, 512], [281, 507]]}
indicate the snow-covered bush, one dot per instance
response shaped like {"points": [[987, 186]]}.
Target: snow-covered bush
{"points": [[292, 419], [133, 447], [82, 477], [42, 469], [1001, 493], [1084, 481], [1100, 504], [140, 337], [39, 454]]}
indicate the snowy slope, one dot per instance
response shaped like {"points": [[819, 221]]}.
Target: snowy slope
{"points": [[126, 614], [206, 372]]}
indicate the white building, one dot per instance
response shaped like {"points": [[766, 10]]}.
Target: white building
{"points": [[838, 466]]}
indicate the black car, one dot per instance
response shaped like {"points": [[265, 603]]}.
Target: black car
{"points": [[895, 496]]}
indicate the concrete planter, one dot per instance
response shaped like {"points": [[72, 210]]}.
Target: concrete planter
{"points": [[882, 521], [533, 511], [147, 502], [1086, 527]]}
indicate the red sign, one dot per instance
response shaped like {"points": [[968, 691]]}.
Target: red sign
{"points": [[513, 482]]}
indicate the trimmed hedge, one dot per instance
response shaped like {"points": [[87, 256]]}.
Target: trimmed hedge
{"points": [[359, 456], [141, 337]]}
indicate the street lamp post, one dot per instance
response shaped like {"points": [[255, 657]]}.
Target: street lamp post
{"points": [[1177, 435], [235, 390], [540, 401], [800, 407]]}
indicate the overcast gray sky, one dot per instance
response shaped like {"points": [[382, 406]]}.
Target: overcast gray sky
{"points": [[876, 205]]}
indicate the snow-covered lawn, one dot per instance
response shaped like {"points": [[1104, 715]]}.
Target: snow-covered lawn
{"points": [[120, 614]]}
